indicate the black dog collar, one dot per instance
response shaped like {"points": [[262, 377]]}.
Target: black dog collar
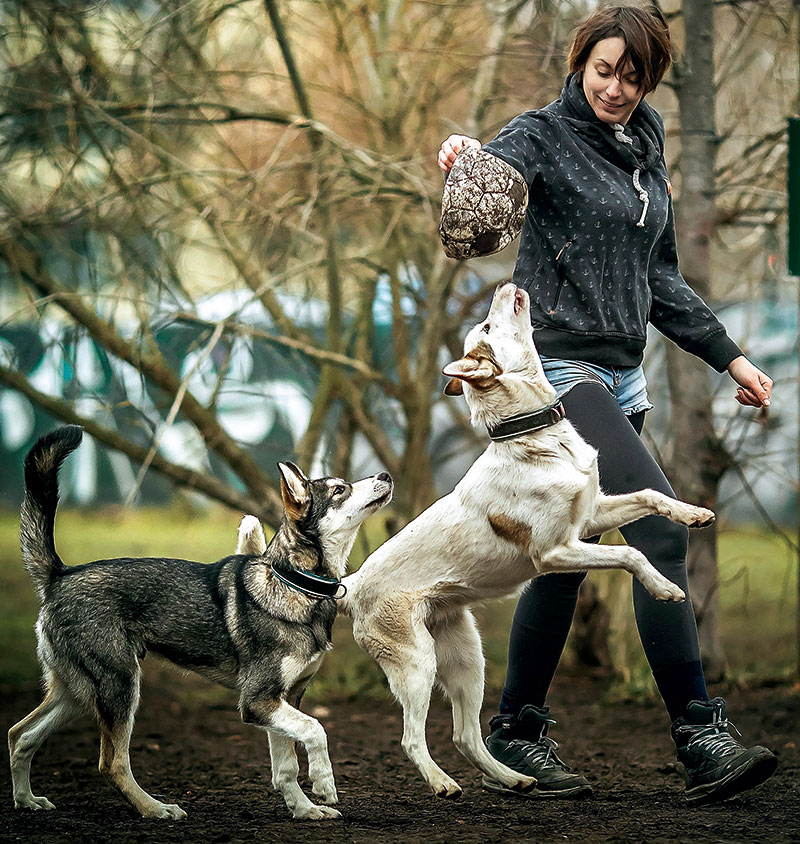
{"points": [[526, 423], [313, 585]]}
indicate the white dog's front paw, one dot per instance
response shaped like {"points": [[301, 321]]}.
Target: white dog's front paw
{"points": [[523, 785], [665, 590], [315, 813], [701, 517], [164, 811], [690, 515], [31, 802]]}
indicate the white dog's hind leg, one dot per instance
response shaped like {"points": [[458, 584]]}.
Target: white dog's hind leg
{"points": [[411, 670], [460, 666], [583, 556], [284, 779], [251, 537]]}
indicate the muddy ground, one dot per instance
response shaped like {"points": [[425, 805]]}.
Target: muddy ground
{"points": [[217, 769]]}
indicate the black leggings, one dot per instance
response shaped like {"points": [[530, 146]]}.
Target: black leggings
{"points": [[544, 613]]}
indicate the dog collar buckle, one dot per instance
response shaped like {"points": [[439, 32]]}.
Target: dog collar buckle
{"points": [[526, 423], [310, 584]]}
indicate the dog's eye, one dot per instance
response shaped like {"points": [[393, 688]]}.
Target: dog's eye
{"points": [[486, 328], [339, 490]]}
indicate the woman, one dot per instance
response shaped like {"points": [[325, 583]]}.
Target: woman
{"points": [[597, 256]]}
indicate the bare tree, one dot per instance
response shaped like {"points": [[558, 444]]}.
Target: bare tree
{"points": [[163, 156], [700, 454]]}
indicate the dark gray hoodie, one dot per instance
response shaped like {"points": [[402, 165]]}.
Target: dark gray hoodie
{"points": [[597, 253]]}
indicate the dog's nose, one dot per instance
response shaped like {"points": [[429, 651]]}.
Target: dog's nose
{"points": [[385, 476]]}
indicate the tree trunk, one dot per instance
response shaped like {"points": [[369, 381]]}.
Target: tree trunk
{"points": [[591, 630], [698, 458]]}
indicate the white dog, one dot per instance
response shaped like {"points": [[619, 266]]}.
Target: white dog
{"points": [[520, 511]]}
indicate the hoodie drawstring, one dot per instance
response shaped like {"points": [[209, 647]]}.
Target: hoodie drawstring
{"points": [[644, 198]]}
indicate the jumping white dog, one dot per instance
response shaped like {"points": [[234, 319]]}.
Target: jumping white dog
{"points": [[520, 511]]}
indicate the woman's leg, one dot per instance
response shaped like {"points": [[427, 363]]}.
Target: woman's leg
{"points": [[544, 613], [538, 633], [668, 631], [716, 765]]}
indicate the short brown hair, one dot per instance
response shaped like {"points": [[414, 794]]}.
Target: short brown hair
{"points": [[645, 33]]}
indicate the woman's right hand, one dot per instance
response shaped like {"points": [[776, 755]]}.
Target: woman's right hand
{"points": [[452, 147]]}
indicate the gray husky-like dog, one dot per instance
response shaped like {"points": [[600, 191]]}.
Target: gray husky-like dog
{"points": [[259, 624]]}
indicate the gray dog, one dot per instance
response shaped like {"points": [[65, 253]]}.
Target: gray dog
{"points": [[259, 624]]}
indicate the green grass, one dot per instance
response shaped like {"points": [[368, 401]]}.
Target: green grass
{"points": [[758, 594]]}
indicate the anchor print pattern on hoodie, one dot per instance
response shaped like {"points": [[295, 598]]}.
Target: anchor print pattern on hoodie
{"points": [[597, 253]]}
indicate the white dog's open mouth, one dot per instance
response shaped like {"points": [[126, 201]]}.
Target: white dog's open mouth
{"points": [[519, 301]]}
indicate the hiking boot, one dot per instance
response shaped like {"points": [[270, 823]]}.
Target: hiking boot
{"points": [[521, 743], [717, 766]]}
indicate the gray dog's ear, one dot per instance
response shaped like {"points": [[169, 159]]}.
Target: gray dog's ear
{"points": [[294, 489], [468, 369], [295, 468]]}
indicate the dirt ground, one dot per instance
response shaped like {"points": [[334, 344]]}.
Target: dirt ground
{"points": [[217, 769]]}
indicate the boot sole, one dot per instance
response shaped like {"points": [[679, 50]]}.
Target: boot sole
{"points": [[747, 776], [562, 793]]}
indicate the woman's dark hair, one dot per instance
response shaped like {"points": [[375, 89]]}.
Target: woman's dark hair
{"points": [[646, 36]]}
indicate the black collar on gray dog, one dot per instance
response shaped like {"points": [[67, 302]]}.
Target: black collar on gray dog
{"points": [[526, 423], [313, 585]]}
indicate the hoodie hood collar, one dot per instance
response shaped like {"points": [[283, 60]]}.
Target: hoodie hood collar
{"points": [[637, 146]]}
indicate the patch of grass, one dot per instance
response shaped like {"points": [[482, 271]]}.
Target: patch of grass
{"points": [[758, 599], [758, 594]]}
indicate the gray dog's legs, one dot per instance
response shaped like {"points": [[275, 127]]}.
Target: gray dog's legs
{"points": [[285, 725], [284, 779], [25, 738], [117, 702], [115, 764]]}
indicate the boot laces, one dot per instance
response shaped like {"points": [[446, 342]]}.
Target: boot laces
{"points": [[714, 737], [544, 746]]}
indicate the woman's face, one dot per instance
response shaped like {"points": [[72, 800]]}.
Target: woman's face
{"points": [[612, 98]]}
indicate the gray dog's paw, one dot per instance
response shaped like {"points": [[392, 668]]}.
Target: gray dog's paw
{"points": [[483, 206]]}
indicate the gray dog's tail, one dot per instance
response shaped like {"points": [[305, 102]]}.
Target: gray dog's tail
{"points": [[41, 499]]}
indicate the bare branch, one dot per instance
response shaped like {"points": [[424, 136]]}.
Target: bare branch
{"points": [[310, 351], [150, 363], [179, 475]]}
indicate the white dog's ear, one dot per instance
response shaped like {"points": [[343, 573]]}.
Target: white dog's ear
{"points": [[466, 369], [455, 387], [294, 489]]}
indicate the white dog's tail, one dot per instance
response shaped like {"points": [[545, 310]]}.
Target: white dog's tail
{"points": [[252, 541], [251, 537]]}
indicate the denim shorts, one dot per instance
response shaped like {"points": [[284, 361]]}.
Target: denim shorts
{"points": [[626, 383]]}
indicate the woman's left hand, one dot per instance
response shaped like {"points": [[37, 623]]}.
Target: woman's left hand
{"points": [[754, 385]]}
